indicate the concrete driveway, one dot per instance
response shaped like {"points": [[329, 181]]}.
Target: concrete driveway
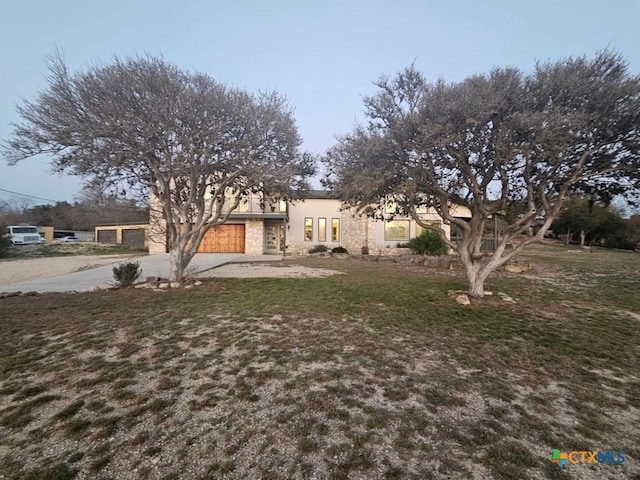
{"points": [[151, 266]]}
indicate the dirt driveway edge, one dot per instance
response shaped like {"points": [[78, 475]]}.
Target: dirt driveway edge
{"points": [[20, 270]]}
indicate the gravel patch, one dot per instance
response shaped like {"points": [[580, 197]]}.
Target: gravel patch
{"points": [[261, 270], [19, 270]]}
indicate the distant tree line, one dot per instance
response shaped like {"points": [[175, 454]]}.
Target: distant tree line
{"points": [[89, 209], [586, 221]]}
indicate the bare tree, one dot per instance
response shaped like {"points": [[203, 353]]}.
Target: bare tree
{"points": [[96, 207], [12, 212], [143, 123], [491, 142]]}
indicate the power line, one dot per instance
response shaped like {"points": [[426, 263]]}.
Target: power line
{"points": [[30, 196], [82, 206]]}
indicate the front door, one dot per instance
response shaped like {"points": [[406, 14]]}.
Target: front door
{"points": [[274, 238]]}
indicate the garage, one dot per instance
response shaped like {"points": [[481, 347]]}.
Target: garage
{"points": [[133, 237], [107, 236], [223, 239]]}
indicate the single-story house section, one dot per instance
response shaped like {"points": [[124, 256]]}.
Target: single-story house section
{"points": [[281, 227], [135, 235]]}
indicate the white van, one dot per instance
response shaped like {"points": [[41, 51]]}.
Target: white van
{"points": [[24, 235]]}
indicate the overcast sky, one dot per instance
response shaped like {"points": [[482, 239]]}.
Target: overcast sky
{"points": [[323, 54]]}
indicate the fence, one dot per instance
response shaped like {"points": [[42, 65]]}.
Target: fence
{"points": [[488, 244]]}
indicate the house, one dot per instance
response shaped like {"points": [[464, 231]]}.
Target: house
{"points": [[279, 227]]}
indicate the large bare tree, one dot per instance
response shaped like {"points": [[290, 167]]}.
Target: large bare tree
{"points": [[143, 123], [492, 142]]}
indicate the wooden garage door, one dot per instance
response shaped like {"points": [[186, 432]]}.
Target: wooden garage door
{"points": [[223, 239]]}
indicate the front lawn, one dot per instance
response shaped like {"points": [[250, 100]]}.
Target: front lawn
{"points": [[373, 374]]}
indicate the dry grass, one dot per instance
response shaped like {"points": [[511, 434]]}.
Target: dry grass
{"points": [[371, 374]]}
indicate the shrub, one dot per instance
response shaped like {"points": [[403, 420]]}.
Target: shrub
{"points": [[126, 273], [427, 243], [5, 241], [318, 249], [339, 250]]}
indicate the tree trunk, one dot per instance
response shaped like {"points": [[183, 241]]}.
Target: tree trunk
{"points": [[476, 275], [582, 237], [176, 264], [478, 270], [476, 287]]}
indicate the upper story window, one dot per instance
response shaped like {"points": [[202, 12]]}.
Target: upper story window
{"points": [[390, 207], [243, 206], [244, 203], [279, 206]]}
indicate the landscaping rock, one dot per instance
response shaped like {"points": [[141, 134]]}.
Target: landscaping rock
{"points": [[443, 261], [517, 268], [197, 283], [10, 294], [175, 284], [163, 285], [506, 297], [388, 259], [463, 299]]}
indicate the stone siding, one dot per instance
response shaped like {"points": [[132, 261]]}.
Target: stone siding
{"points": [[297, 249], [254, 237], [355, 229]]}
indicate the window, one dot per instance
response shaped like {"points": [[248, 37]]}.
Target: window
{"points": [[422, 209], [308, 229], [390, 207], [24, 230], [282, 205], [335, 229], [396, 230], [322, 229], [243, 206], [230, 199], [433, 223]]}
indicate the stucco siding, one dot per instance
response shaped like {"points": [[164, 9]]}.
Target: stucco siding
{"points": [[313, 209]]}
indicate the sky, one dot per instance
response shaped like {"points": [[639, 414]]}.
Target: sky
{"points": [[324, 55]]}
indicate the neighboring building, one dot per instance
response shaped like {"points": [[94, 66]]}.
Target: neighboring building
{"points": [[295, 227], [46, 233], [134, 234]]}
